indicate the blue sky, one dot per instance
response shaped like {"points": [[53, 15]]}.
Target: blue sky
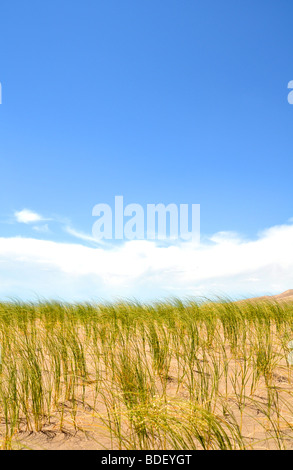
{"points": [[159, 101]]}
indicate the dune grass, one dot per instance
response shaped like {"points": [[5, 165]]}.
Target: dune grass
{"points": [[172, 375]]}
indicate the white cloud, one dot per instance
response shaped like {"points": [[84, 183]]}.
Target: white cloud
{"points": [[225, 264], [27, 216]]}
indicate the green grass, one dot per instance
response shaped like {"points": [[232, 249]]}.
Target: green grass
{"points": [[170, 375]]}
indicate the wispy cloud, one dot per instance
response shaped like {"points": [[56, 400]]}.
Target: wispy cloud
{"points": [[35, 220], [83, 236], [226, 263], [44, 228]]}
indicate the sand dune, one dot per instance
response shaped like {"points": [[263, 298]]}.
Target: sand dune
{"points": [[286, 296]]}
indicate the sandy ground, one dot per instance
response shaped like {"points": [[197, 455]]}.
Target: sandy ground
{"points": [[93, 435]]}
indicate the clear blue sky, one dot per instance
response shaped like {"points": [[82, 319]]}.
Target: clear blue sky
{"points": [[161, 101], [157, 100]]}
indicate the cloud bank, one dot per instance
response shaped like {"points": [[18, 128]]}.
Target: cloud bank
{"points": [[223, 264]]}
